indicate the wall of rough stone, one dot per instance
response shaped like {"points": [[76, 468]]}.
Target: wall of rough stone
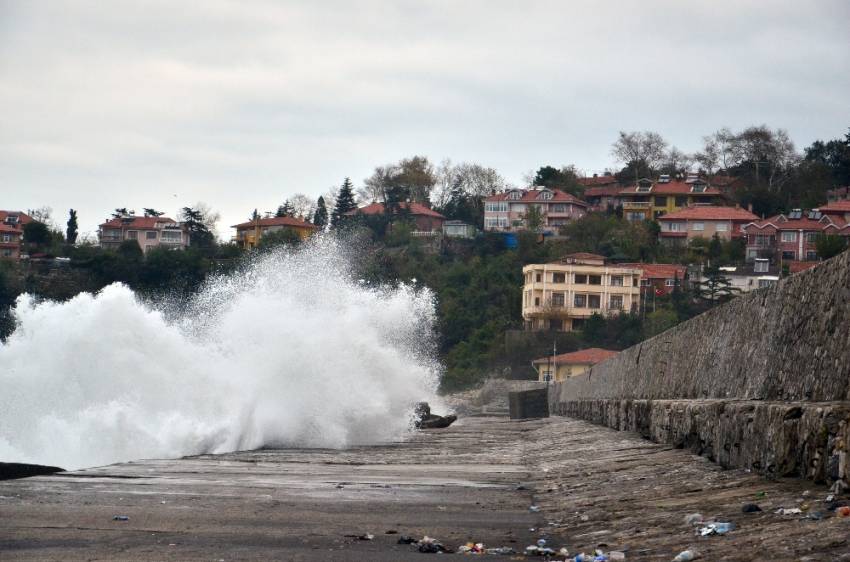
{"points": [[762, 382]]}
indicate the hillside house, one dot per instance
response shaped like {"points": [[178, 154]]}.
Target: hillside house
{"points": [[704, 221], [249, 234], [791, 237], [648, 200], [558, 368], [12, 233], [148, 232], [424, 218], [506, 212]]}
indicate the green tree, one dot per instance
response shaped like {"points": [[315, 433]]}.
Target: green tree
{"points": [[285, 210], [829, 245], [659, 321], [534, 218], [320, 217], [565, 178], [344, 203], [130, 251], [36, 234], [152, 212], [71, 231], [120, 213], [199, 234], [716, 288]]}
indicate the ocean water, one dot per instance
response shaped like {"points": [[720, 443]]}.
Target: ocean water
{"points": [[292, 350]]}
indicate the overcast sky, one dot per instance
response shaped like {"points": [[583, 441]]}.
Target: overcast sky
{"points": [[242, 103]]}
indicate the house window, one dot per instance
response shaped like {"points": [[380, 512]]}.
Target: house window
{"points": [[617, 280], [634, 282], [7, 253], [788, 236], [150, 235], [559, 278], [761, 266], [674, 226], [698, 226], [811, 256], [559, 208], [594, 301], [538, 277], [580, 301], [171, 237], [789, 255], [616, 302], [669, 282], [578, 323], [515, 195], [545, 195], [721, 226], [556, 324], [7, 238], [557, 299], [811, 237], [698, 188], [132, 235], [594, 279], [644, 282], [765, 283], [581, 279], [660, 201], [632, 216], [681, 201], [536, 301]]}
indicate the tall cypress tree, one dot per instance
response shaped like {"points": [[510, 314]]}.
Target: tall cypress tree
{"points": [[320, 217], [72, 230], [344, 203]]}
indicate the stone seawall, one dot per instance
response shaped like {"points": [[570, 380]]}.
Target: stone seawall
{"points": [[762, 382]]}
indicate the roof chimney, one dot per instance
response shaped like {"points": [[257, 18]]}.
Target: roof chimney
{"points": [[750, 207]]}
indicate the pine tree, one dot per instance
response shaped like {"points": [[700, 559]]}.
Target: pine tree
{"points": [[716, 288], [285, 210], [344, 203], [152, 212], [72, 230], [320, 217]]}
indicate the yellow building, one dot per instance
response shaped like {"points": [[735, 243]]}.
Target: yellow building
{"points": [[560, 367], [562, 295], [648, 200], [248, 234]]}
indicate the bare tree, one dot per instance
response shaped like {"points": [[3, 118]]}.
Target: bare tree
{"points": [[210, 217], [639, 147], [768, 151], [709, 157], [302, 205], [677, 162], [376, 186]]}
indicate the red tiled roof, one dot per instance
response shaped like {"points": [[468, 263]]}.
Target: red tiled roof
{"points": [[531, 196], [23, 218], [607, 191], [590, 356], [137, 222], [379, 209], [274, 221], [9, 228], [710, 212], [796, 224], [836, 207], [798, 266], [658, 270], [597, 180], [670, 188]]}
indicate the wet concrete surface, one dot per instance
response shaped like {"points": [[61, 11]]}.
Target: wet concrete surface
{"points": [[598, 488]]}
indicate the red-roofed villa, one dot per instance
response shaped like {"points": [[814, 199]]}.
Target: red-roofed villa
{"points": [[149, 232], [249, 234], [505, 212], [704, 221], [560, 367], [424, 218]]}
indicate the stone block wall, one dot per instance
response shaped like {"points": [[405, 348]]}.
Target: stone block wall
{"points": [[762, 382]]}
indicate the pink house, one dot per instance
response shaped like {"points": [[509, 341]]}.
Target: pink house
{"points": [[791, 237], [507, 211], [149, 232], [704, 221]]}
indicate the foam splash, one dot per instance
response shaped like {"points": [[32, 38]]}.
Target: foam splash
{"points": [[292, 350]]}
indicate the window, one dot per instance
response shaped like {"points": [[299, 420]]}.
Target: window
{"points": [[634, 282], [581, 279], [515, 195], [578, 323], [765, 283], [132, 235], [594, 279], [644, 282], [789, 236], [632, 216], [559, 278], [594, 301], [721, 227], [617, 280], [556, 324], [496, 207], [698, 188], [171, 237], [616, 302], [681, 201], [557, 299], [698, 226], [7, 253], [761, 266], [670, 282], [811, 256], [150, 235], [538, 277], [7, 238], [536, 301], [789, 255], [660, 201], [545, 195], [580, 301], [811, 237], [674, 226], [559, 208]]}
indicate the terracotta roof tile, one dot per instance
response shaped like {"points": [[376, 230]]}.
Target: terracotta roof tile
{"points": [[607, 191], [836, 207], [531, 196], [138, 222], [379, 209], [670, 188], [710, 212], [597, 181], [590, 356], [658, 270], [274, 221]]}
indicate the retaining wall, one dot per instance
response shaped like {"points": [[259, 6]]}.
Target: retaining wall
{"points": [[762, 382]]}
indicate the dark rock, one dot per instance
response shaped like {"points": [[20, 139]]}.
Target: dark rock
{"points": [[12, 470], [750, 508]]}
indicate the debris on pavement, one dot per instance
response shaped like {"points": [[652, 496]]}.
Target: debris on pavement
{"points": [[686, 556], [534, 508], [693, 519], [716, 528], [404, 539], [788, 511], [750, 508], [120, 518], [363, 537]]}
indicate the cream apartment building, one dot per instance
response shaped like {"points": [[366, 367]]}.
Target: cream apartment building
{"points": [[562, 295]]}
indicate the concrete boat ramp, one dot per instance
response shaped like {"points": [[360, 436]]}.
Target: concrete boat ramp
{"points": [[475, 481]]}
